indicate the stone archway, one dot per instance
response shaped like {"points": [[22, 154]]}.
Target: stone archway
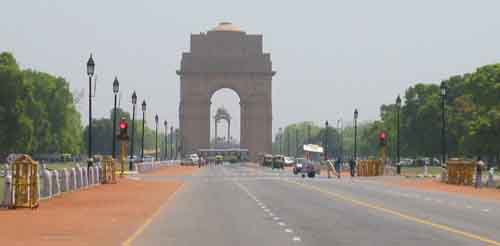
{"points": [[226, 57]]}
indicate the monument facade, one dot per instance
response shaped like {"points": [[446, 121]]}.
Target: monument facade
{"points": [[226, 57]]}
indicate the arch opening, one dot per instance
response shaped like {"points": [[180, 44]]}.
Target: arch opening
{"points": [[225, 118]]}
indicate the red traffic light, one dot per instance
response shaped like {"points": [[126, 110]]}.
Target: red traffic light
{"points": [[123, 135], [382, 136], [123, 125]]}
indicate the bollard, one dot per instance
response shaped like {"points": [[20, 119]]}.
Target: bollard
{"points": [[7, 191], [64, 178], [56, 186], [47, 184], [491, 182], [78, 178]]}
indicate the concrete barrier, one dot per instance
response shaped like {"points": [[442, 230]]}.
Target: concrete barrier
{"points": [[56, 184], [64, 178], [46, 184], [79, 178], [72, 180], [7, 191], [85, 177]]}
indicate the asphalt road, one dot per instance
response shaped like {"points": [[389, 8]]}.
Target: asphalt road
{"points": [[244, 205]]}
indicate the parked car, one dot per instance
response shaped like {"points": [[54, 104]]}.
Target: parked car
{"points": [[194, 158], [406, 162], [267, 160], [278, 162], [289, 161]]}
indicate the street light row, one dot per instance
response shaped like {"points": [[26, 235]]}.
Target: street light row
{"points": [[116, 88]]}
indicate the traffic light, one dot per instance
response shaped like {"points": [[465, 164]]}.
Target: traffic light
{"points": [[382, 137], [123, 135]]}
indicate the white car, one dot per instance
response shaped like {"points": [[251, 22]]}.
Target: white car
{"points": [[289, 161], [194, 158]]}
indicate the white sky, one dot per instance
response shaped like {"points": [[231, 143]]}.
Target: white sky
{"points": [[331, 56]]}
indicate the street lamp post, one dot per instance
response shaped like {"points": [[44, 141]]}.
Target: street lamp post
{"points": [[165, 155], [143, 121], [156, 138], [355, 133], [90, 73], [176, 143], [171, 142], [443, 90], [325, 141], [287, 142], [398, 156], [134, 102], [280, 138], [116, 88], [296, 141]]}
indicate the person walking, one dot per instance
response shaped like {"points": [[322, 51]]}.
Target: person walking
{"points": [[352, 166], [337, 167], [479, 169]]}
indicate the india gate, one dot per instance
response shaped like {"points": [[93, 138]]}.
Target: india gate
{"points": [[226, 57]]}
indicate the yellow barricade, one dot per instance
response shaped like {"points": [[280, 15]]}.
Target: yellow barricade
{"points": [[370, 168], [460, 172], [24, 183], [108, 170]]}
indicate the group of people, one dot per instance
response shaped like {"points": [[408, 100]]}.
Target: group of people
{"points": [[338, 169]]}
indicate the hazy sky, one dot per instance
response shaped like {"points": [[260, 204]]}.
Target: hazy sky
{"points": [[330, 56]]}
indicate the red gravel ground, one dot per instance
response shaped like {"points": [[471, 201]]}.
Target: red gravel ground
{"points": [[434, 185], [101, 215]]}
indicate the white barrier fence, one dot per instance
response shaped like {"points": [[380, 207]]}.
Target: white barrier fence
{"points": [[143, 167], [54, 182]]}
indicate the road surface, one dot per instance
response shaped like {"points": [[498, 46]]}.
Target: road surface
{"points": [[244, 205]]}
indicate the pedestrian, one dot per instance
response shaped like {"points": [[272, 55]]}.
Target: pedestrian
{"points": [[337, 167], [479, 169], [352, 166]]}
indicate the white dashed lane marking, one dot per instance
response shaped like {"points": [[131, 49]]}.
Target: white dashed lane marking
{"points": [[267, 210]]}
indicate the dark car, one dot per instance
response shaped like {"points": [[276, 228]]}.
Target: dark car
{"points": [[305, 167]]}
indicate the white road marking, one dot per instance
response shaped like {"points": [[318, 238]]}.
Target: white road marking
{"points": [[468, 206], [288, 230], [271, 214], [267, 210], [296, 239], [485, 210], [281, 223], [276, 218]]}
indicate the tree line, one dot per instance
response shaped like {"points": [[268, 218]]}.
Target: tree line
{"points": [[37, 112], [38, 116], [472, 106]]}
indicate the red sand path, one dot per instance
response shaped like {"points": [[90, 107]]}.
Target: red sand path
{"points": [[100, 215]]}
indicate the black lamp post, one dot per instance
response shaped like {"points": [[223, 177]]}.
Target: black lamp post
{"points": [[398, 156], [90, 73], [355, 133], [296, 141], [134, 102], [165, 155], [325, 141], [156, 141], [280, 138], [116, 88], [143, 121], [171, 142], [176, 142], [287, 142], [443, 90]]}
